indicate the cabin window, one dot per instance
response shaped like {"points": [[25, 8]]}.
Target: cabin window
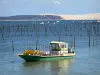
{"points": [[63, 46], [55, 46]]}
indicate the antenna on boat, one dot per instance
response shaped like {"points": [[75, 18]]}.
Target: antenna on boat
{"points": [[59, 38]]}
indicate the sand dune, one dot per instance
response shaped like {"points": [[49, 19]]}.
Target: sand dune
{"points": [[95, 16], [82, 17]]}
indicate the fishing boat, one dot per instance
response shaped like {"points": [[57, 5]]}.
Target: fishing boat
{"points": [[58, 50]]}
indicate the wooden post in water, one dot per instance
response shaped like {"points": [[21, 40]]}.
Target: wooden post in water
{"points": [[9, 29], [45, 31], [13, 47], [74, 42], [13, 55], [89, 41], [94, 31], [3, 32], [37, 36], [58, 36], [21, 30], [2, 36], [37, 44], [89, 35], [93, 38]]}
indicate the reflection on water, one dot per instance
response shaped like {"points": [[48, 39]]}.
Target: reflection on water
{"points": [[54, 67], [61, 66]]}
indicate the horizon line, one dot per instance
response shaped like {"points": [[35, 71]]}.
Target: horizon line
{"points": [[51, 14]]}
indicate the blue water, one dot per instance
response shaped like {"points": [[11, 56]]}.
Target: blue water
{"points": [[86, 61]]}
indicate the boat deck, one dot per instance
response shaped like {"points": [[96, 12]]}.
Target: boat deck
{"points": [[69, 54]]}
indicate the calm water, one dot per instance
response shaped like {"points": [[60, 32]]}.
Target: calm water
{"points": [[86, 61]]}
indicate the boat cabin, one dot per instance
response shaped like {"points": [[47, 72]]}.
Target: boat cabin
{"points": [[58, 46]]}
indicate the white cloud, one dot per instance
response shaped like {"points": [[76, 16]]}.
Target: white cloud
{"points": [[56, 2]]}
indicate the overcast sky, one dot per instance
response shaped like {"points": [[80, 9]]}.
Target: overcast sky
{"points": [[31, 7]]}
